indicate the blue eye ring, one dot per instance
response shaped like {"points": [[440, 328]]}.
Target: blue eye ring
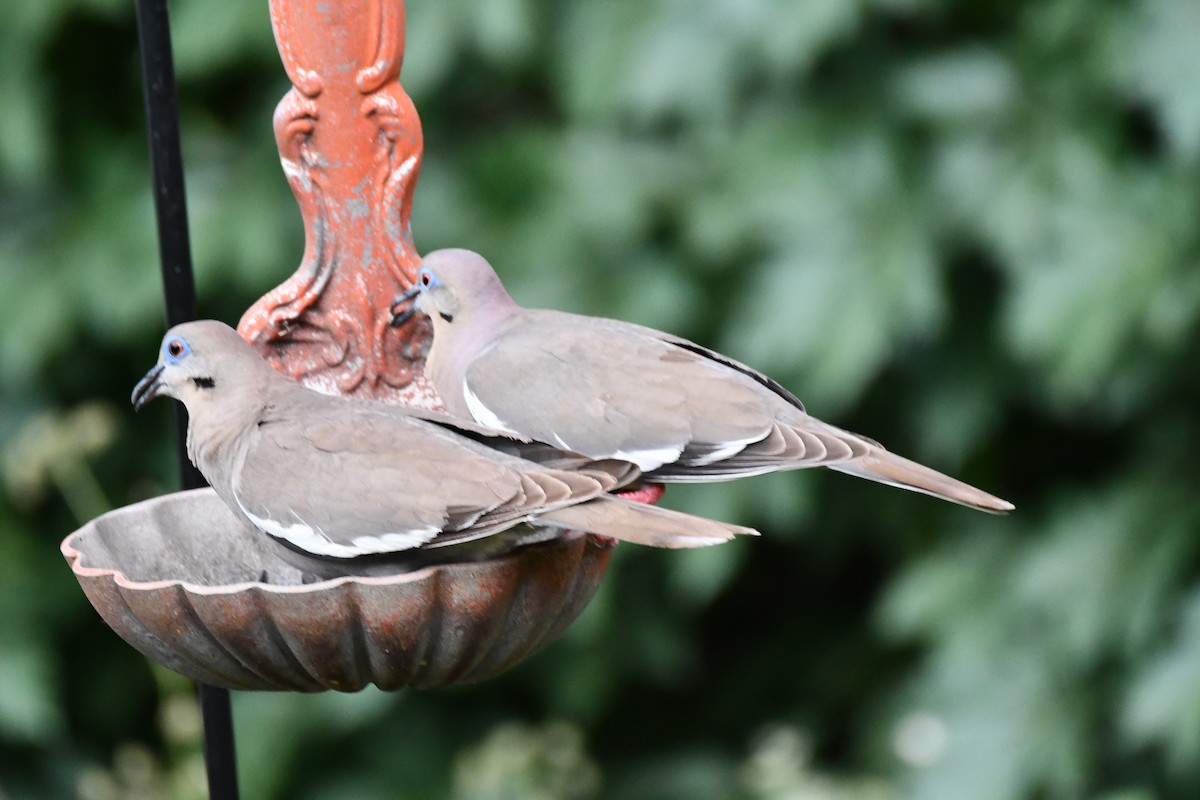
{"points": [[175, 349], [426, 279]]}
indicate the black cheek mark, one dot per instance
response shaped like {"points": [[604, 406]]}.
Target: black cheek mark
{"points": [[445, 316], [204, 383]]}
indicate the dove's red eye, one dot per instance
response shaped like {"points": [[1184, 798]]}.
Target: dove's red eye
{"points": [[175, 349], [425, 279]]}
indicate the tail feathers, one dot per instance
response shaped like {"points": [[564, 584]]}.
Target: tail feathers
{"points": [[883, 467], [644, 524]]}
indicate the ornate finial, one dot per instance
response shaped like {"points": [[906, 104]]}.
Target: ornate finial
{"points": [[350, 142]]}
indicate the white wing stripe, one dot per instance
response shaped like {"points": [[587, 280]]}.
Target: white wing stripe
{"points": [[647, 459], [482, 414], [317, 543], [651, 458], [724, 452]]}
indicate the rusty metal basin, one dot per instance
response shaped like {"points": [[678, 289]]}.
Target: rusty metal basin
{"points": [[181, 579]]}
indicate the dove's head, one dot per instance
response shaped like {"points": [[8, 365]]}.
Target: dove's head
{"points": [[453, 286], [196, 360]]}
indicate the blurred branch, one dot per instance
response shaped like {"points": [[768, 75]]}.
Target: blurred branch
{"points": [[52, 449]]}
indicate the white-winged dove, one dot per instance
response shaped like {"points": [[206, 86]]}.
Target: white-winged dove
{"points": [[611, 389], [341, 478]]}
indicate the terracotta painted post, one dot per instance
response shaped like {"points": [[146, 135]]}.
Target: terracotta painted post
{"points": [[350, 143]]}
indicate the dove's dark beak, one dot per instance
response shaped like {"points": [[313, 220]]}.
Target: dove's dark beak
{"points": [[401, 316], [147, 388]]}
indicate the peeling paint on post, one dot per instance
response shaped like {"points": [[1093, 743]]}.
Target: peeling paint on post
{"points": [[350, 142]]}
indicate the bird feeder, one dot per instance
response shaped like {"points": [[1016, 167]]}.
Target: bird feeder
{"points": [[192, 586], [181, 579]]}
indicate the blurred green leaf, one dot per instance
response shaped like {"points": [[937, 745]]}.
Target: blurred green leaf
{"points": [[1158, 68], [518, 762], [1163, 704], [957, 86], [28, 709], [851, 277]]}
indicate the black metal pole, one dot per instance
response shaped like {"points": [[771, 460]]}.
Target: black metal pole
{"points": [[170, 206]]}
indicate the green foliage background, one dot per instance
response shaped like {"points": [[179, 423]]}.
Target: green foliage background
{"points": [[963, 227]]}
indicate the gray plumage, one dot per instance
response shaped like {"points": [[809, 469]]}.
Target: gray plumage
{"points": [[610, 389], [340, 478]]}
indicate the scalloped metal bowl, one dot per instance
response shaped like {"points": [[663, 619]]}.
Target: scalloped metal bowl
{"points": [[178, 577]]}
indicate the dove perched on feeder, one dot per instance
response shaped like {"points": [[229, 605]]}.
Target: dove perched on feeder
{"points": [[337, 478], [610, 389]]}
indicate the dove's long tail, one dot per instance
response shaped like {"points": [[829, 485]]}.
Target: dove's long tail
{"points": [[644, 524], [884, 467]]}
